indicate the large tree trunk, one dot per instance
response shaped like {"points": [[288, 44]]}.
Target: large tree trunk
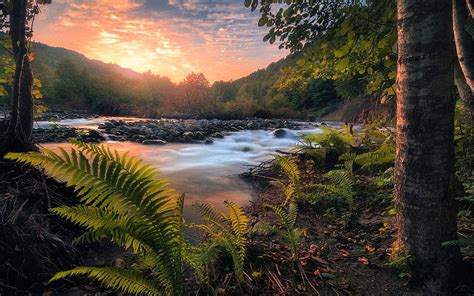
{"points": [[424, 174], [18, 135], [463, 41]]}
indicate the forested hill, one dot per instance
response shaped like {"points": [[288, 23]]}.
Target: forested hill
{"points": [[49, 56], [69, 80]]}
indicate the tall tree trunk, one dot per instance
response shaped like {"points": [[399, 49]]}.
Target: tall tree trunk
{"points": [[463, 41], [424, 174], [464, 92], [18, 136]]}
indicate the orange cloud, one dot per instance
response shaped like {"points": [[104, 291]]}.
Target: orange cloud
{"points": [[167, 43]]}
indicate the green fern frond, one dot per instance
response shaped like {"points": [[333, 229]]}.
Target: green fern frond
{"points": [[289, 233], [227, 230], [120, 279], [289, 166], [125, 201], [385, 154], [338, 184], [280, 212]]}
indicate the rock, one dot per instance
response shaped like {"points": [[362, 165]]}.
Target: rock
{"points": [[95, 136], [199, 135], [208, 141], [279, 133], [154, 142], [217, 135], [246, 149], [117, 138], [188, 137], [323, 124]]}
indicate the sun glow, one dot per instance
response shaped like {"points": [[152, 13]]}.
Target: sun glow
{"points": [[170, 42]]}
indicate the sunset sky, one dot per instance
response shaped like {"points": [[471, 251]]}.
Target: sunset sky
{"points": [[168, 37]]}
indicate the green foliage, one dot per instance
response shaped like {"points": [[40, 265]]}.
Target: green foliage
{"points": [[69, 80], [464, 168], [227, 230], [288, 230], [342, 40], [290, 168], [128, 281], [382, 157], [330, 142], [125, 201], [7, 70], [336, 185]]}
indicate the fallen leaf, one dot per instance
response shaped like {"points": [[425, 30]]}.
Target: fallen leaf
{"points": [[344, 253], [363, 260], [370, 249]]}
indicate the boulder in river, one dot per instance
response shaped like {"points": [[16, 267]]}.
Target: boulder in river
{"points": [[246, 149], [279, 133], [154, 142]]}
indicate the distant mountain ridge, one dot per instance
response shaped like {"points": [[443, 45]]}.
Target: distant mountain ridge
{"points": [[52, 56]]}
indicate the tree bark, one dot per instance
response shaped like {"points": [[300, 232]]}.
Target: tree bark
{"points": [[424, 173], [470, 7], [463, 41], [18, 135], [464, 92]]}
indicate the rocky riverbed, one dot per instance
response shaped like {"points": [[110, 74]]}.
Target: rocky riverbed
{"points": [[62, 134], [187, 131], [158, 132]]}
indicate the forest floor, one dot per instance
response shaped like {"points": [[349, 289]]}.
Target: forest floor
{"points": [[345, 249], [34, 243]]}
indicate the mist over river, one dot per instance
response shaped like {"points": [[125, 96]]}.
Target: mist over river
{"points": [[205, 172]]}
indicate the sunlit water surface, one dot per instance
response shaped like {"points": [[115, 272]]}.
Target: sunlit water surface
{"points": [[206, 173]]}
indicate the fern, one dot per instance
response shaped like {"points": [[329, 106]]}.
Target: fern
{"points": [[338, 185], [292, 191], [123, 280], [288, 232], [383, 155], [348, 159], [227, 230], [123, 200]]}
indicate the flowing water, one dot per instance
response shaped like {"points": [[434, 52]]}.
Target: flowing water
{"points": [[206, 173]]}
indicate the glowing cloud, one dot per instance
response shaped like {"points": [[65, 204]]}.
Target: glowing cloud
{"points": [[172, 38]]}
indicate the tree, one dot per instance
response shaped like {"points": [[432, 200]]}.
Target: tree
{"points": [[358, 41], [19, 15], [424, 167], [70, 83], [425, 148], [195, 94], [464, 69], [19, 130]]}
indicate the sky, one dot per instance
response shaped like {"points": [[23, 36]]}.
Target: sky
{"points": [[169, 37]]}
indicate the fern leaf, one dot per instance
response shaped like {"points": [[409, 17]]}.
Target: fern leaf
{"points": [[120, 279]]}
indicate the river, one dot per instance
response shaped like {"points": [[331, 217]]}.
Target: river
{"points": [[205, 172]]}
